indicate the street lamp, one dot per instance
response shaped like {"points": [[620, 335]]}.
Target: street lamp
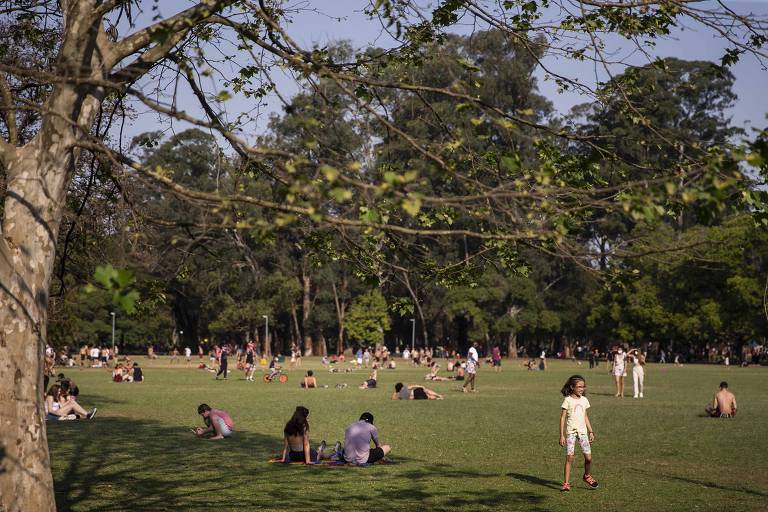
{"points": [[413, 334], [266, 328], [181, 337], [113, 330]]}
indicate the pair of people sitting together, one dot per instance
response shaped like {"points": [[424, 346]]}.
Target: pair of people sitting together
{"points": [[61, 402], [414, 392], [129, 372], [358, 437]]}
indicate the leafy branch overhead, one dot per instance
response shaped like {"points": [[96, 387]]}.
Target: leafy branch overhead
{"points": [[119, 283]]}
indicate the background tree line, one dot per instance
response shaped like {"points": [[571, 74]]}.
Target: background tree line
{"points": [[214, 273]]}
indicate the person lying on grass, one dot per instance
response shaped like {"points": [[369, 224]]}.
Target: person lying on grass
{"points": [[414, 392], [218, 423], [357, 442], [296, 440]]}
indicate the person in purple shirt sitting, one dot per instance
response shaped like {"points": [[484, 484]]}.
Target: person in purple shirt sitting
{"points": [[357, 442], [217, 423]]}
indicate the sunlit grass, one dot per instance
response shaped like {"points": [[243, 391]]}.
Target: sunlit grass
{"points": [[494, 450]]}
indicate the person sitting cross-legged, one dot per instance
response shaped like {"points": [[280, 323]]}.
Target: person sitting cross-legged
{"points": [[357, 442]]}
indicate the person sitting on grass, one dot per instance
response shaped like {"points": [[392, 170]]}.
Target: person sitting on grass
{"points": [[414, 392], [138, 373], [218, 423], [309, 381], [357, 442], [459, 370], [59, 405], [723, 403], [371, 382], [434, 368], [296, 440]]}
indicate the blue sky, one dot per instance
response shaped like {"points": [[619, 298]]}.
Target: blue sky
{"points": [[324, 21]]}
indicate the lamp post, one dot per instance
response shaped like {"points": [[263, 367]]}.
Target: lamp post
{"points": [[113, 331], [413, 334], [266, 329], [181, 338]]}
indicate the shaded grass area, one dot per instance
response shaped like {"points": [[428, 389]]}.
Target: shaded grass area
{"points": [[494, 450]]}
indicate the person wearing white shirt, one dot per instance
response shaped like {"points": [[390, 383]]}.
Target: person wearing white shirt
{"points": [[472, 361]]}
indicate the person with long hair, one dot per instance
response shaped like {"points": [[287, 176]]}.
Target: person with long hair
{"points": [[574, 423], [60, 405], [296, 439]]}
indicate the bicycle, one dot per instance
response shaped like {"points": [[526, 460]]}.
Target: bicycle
{"points": [[279, 375]]}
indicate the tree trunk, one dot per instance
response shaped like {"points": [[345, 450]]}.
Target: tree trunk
{"points": [[295, 325], [306, 308], [32, 214], [341, 311], [320, 345], [512, 345], [417, 305], [266, 350]]}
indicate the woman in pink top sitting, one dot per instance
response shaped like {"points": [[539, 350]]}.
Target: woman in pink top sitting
{"points": [[218, 423]]}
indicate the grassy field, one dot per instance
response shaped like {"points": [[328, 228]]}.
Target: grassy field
{"points": [[494, 450]]}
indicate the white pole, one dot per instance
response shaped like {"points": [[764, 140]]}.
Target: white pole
{"points": [[413, 334]]}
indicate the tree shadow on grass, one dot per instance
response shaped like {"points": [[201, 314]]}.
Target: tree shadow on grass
{"points": [[114, 464], [704, 483], [110, 463], [534, 480]]}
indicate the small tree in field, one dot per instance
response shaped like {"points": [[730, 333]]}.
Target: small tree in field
{"points": [[368, 319]]}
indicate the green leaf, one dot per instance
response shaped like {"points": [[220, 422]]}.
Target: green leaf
{"points": [[412, 204]]}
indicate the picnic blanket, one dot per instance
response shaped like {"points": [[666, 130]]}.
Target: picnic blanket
{"points": [[337, 463]]}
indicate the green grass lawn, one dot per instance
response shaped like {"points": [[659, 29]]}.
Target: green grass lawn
{"points": [[494, 450]]}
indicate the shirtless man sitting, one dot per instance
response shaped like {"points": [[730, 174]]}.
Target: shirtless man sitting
{"points": [[723, 403]]}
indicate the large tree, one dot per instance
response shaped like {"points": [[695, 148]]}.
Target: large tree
{"points": [[65, 60]]}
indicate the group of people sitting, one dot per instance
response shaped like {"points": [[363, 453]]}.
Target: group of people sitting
{"points": [[356, 449], [61, 402], [455, 366], [128, 372]]}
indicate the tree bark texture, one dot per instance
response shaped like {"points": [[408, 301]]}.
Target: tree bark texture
{"points": [[38, 177], [512, 346], [306, 308]]}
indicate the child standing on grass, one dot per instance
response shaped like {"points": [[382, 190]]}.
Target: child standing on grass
{"points": [[574, 423]]}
